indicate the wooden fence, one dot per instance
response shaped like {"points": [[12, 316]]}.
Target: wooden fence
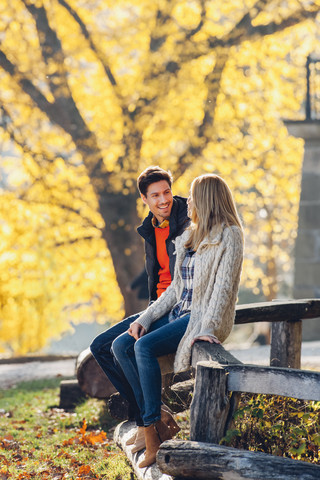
{"points": [[203, 458], [217, 372]]}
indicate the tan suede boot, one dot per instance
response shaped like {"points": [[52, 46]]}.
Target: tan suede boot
{"points": [[131, 439], [167, 418], [139, 442], [155, 434]]}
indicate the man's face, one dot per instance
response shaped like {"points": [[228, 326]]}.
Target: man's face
{"points": [[159, 199]]}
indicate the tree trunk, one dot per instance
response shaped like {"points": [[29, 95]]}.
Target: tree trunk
{"points": [[117, 209], [125, 244]]}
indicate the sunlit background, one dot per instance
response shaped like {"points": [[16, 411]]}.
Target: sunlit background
{"points": [[92, 93]]}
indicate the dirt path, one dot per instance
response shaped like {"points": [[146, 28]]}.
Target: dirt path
{"points": [[13, 373]]}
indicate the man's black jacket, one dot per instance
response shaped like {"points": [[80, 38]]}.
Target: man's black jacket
{"points": [[178, 222]]}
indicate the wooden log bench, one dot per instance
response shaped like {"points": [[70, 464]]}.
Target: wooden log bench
{"points": [[203, 458], [286, 318], [201, 351], [286, 350]]}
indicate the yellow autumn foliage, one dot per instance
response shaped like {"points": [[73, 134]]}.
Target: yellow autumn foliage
{"points": [[92, 93]]}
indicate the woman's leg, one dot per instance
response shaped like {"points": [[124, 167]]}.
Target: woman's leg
{"points": [[123, 350], [161, 341]]}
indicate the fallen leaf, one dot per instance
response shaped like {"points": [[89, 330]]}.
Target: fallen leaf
{"points": [[84, 469]]}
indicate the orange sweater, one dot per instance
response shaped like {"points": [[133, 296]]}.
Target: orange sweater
{"points": [[163, 259]]}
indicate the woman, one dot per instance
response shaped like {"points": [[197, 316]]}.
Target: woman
{"points": [[198, 305]]}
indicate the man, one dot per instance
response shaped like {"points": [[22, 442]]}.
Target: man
{"points": [[166, 220]]}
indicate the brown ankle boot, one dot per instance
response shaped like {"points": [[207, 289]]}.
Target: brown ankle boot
{"points": [[167, 418], [139, 442], [155, 434], [131, 439]]}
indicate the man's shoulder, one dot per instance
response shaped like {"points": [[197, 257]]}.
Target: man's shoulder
{"points": [[180, 200], [179, 219], [146, 229]]}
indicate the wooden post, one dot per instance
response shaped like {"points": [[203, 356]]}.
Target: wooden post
{"points": [[210, 405], [70, 394], [286, 344]]}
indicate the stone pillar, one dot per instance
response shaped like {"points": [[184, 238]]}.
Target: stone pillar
{"points": [[307, 249]]}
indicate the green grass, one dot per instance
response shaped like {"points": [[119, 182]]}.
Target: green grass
{"points": [[38, 440]]}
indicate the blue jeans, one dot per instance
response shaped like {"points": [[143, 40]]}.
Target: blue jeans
{"points": [[138, 361], [101, 350]]}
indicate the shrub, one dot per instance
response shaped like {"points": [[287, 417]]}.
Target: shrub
{"points": [[276, 425]]}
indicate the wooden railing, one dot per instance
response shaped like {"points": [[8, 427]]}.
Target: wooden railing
{"points": [[286, 326], [211, 409], [203, 457]]}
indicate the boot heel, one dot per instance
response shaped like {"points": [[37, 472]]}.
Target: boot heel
{"points": [[167, 418], [174, 427]]}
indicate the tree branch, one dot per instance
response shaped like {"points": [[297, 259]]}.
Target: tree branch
{"points": [[50, 47], [26, 85], [71, 242], [203, 15], [244, 30], [85, 32], [203, 136], [64, 111], [295, 19], [38, 159]]}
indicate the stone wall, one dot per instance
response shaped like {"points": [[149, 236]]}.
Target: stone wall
{"points": [[307, 250]]}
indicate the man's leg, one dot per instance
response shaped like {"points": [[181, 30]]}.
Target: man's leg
{"points": [[101, 350]]}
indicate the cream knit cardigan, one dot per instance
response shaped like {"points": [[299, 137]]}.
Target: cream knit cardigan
{"points": [[217, 269]]}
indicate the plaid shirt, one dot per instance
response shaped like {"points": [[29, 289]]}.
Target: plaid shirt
{"points": [[187, 272]]}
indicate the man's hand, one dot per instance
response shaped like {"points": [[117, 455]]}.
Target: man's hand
{"points": [[136, 330], [206, 338]]}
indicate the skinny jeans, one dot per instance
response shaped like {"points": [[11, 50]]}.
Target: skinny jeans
{"points": [[101, 350], [139, 364]]}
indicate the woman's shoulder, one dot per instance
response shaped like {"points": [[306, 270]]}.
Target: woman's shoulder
{"points": [[232, 233], [181, 239], [232, 230]]}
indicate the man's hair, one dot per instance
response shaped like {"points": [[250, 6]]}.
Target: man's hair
{"points": [[151, 175]]}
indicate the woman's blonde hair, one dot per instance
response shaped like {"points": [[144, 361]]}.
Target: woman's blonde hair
{"points": [[213, 205]]}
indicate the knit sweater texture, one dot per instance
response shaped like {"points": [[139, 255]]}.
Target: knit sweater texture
{"points": [[217, 269]]}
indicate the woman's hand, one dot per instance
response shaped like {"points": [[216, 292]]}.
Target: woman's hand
{"points": [[136, 330], [206, 338]]}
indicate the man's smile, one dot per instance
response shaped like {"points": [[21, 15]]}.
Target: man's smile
{"points": [[159, 199]]}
